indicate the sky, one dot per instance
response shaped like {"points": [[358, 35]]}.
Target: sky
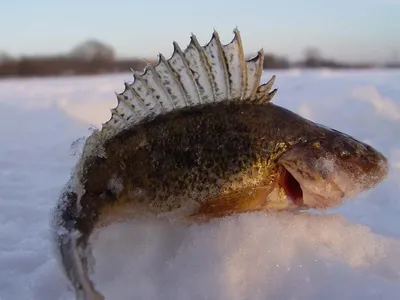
{"points": [[352, 30]]}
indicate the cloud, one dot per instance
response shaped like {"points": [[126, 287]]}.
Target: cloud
{"points": [[383, 106]]}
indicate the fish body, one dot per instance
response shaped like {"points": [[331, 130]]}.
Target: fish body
{"points": [[197, 137]]}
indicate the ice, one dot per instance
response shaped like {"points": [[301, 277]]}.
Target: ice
{"points": [[351, 252]]}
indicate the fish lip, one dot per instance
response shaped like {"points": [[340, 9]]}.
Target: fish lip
{"points": [[299, 202]]}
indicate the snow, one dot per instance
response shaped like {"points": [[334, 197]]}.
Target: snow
{"points": [[351, 252]]}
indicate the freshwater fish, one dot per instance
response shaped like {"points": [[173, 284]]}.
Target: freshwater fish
{"points": [[197, 137]]}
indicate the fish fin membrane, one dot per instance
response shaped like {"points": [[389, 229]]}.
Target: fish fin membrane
{"points": [[245, 200], [192, 77]]}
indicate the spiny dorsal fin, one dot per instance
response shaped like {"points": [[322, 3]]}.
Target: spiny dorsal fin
{"points": [[198, 75]]}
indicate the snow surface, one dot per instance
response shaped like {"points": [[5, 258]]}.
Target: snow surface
{"points": [[352, 252]]}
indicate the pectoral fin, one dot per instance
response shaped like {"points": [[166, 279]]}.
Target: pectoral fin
{"points": [[246, 200]]}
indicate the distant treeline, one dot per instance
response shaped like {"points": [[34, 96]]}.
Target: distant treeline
{"points": [[313, 59], [58, 66], [93, 57]]}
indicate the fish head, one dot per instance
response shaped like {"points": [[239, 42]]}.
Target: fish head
{"points": [[327, 167]]}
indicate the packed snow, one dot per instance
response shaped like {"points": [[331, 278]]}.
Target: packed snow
{"points": [[351, 252]]}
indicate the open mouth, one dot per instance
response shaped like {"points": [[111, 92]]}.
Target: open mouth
{"points": [[333, 195], [291, 187]]}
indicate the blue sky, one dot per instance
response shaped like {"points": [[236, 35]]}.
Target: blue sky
{"points": [[353, 30]]}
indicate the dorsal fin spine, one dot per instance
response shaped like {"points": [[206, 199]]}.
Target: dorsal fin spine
{"points": [[189, 96], [242, 61], [254, 81], [142, 90], [167, 104], [121, 98], [205, 64], [198, 75], [217, 73], [224, 65], [124, 105], [170, 86], [137, 101], [259, 67], [236, 68]]}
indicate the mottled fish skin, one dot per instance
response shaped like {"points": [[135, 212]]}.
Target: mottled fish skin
{"points": [[194, 154], [208, 159]]}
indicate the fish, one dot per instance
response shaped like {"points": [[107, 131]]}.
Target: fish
{"points": [[197, 137]]}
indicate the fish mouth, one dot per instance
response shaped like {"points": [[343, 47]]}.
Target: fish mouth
{"points": [[305, 198], [291, 187]]}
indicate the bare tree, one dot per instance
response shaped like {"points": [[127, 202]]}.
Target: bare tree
{"points": [[5, 57], [93, 50], [313, 57]]}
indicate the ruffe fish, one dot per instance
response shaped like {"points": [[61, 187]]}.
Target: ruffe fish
{"points": [[196, 136]]}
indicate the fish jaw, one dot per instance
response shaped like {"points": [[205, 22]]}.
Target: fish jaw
{"points": [[323, 172]]}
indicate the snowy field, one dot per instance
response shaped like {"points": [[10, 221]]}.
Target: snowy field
{"points": [[352, 252]]}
